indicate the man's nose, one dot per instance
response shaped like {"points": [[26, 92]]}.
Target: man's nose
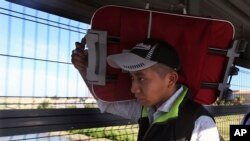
{"points": [[135, 88]]}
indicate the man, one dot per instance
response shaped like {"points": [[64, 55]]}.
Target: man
{"points": [[163, 108]]}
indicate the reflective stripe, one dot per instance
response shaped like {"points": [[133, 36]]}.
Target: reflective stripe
{"points": [[144, 112], [173, 112]]}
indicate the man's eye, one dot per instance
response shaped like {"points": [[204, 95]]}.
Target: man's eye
{"points": [[141, 79], [132, 78]]}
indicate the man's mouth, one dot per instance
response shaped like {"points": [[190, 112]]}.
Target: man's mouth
{"points": [[139, 99]]}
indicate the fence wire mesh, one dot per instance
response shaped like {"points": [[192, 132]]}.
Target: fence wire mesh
{"points": [[35, 60], [118, 133]]}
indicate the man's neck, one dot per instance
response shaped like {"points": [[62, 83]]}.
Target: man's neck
{"points": [[171, 93]]}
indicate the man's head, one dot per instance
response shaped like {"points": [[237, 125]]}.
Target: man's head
{"points": [[153, 66]]}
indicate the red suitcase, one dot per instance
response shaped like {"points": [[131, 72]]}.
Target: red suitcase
{"points": [[192, 37]]}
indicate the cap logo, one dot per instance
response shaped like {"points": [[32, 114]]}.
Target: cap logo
{"points": [[150, 53], [142, 46]]}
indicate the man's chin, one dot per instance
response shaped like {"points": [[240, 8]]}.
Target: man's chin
{"points": [[144, 102]]}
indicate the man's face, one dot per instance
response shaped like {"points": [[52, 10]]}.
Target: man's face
{"points": [[149, 88]]}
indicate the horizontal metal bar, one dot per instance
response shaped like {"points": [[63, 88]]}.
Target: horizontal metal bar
{"points": [[217, 51], [209, 85], [18, 122], [228, 110], [113, 39]]}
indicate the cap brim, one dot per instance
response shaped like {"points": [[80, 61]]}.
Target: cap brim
{"points": [[129, 62]]}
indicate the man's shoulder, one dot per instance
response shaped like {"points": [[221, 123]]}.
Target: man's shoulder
{"points": [[195, 109]]}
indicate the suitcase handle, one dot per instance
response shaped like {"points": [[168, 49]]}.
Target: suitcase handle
{"points": [[97, 54]]}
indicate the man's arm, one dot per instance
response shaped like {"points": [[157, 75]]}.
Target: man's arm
{"points": [[205, 130], [128, 109], [79, 59]]}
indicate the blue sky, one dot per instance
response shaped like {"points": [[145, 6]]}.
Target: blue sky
{"points": [[25, 77], [242, 80]]}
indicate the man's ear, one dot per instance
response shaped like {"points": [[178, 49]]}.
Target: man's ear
{"points": [[172, 78]]}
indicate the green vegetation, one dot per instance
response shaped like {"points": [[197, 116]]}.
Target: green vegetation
{"points": [[90, 105], [44, 105], [115, 133], [71, 106], [239, 100], [223, 124]]}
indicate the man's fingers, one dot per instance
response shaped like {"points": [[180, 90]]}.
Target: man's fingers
{"points": [[80, 66], [80, 52], [79, 59], [80, 46]]}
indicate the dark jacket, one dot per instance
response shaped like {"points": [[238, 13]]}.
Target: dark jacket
{"points": [[176, 125]]}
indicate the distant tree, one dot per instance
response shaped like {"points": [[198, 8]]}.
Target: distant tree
{"points": [[90, 105], [44, 105], [71, 106], [238, 100]]}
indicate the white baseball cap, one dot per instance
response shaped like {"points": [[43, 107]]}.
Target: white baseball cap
{"points": [[144, 55]]}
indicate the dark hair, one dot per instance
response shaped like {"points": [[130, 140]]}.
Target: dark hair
{"points": [[161, 69]]}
